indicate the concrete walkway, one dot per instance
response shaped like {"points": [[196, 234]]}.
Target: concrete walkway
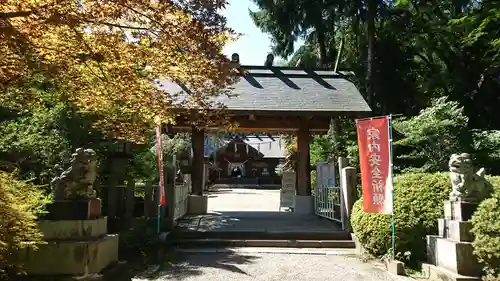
{"points": [[243, 199], [252, 210]]}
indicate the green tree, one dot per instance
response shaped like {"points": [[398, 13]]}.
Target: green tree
{"points": [[43, 134], [431, 137]]}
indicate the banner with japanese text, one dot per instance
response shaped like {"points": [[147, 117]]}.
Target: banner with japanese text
{"points": [[375, 163], [159, 159]]}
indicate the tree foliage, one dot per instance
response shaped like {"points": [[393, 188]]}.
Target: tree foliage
{"points": [[423, 50], [105, 55], [38, 136], [20, 203], [432, 136], [486, 230]]}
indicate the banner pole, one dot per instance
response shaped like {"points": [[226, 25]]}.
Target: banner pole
{"points": [[158, 219], [393, 230]]}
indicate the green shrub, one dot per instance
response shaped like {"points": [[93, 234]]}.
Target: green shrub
{"points": [[418, 204], [20, 203], [486, 229]]}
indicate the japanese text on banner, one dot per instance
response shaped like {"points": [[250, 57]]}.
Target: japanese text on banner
{"points": [[374, 154]]}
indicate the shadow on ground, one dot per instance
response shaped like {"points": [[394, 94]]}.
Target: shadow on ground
{"points": [[184, 265], [179, 266]]}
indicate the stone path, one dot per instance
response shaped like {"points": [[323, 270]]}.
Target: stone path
{"points": [[251, 209], [269, 267]]}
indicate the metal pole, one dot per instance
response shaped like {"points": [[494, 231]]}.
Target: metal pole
{"points": [[393, 238]]}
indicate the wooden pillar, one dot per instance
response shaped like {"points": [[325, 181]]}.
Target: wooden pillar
{"points": [[148, 200], [112, 199], [198, 143], [129, 200], [303, 163]]}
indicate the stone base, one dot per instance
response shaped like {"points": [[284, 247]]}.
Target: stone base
{"points": [[72, 257], [359, 250], [455, 230], [303, 205], [73, 229], [197, 205], [433, 272], [396, 267], [454, 256], [82, 209], [459, 211]]}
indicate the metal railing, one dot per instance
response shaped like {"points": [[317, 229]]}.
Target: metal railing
{"points": [[181, 197], [327, 198]]}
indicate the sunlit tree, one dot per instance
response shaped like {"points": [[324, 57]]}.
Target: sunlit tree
{"points": [[104, 56]]}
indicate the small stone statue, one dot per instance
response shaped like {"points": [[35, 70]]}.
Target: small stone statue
{"points": [[467, 185], [77, 181]]}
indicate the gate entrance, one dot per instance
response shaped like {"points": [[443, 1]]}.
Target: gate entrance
{"points": [[327, 193]]}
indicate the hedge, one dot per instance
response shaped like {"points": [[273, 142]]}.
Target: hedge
{"points": [[418, 205], [19, 204], [486, 229]]}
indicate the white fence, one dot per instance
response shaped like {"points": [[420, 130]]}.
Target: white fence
{"points": [[327, 195]]}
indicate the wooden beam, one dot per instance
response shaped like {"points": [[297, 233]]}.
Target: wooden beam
{"points": [[214, 130], [267, 124]]}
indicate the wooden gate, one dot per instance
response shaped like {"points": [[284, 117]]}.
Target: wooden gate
{"points": [[327, 198]]}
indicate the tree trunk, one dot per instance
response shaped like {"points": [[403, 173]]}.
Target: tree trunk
{"points": [[323, 56], [371, 14]]}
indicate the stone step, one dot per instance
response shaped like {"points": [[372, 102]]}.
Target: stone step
{"points": [[263, 235], [271, 250], [282, 243]]}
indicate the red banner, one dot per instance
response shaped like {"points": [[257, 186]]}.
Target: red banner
{"points": [[159, 161], [374, 160]]}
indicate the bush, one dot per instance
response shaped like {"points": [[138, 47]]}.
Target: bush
{"points": [[418, 204], [486, 229], [20, 203]]}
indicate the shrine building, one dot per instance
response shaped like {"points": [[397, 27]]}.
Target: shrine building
{"points": [[273, 100], [246, 161]]}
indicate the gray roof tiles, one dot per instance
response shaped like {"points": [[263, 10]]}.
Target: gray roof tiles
{"points": [[289, 89]]}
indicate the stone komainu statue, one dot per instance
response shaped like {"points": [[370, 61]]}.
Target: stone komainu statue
{"points": [[467, 185], [77, 182]]}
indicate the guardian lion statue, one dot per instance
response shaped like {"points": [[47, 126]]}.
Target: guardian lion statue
{"points": [[77, 182], [467, 185]]}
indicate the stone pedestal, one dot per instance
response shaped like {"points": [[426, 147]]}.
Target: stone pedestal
{"points": [[452, 248], [80, 209], [74, 247], [304, 205], [197, 204]]}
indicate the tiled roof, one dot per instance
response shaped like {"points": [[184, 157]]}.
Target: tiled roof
{"points": [[269, 147], [288, 89]]}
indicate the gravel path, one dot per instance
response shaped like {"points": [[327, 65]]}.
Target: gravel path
{"points": [[243, 266], [269, 267]]}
